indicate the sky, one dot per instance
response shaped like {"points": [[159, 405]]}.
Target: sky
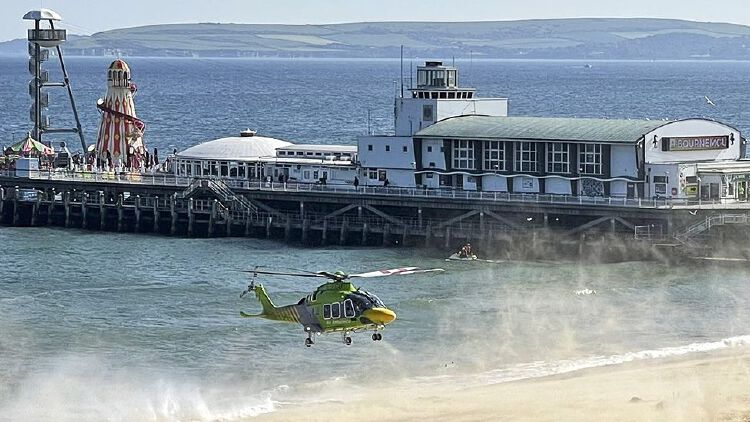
{"points": [[90, 16]]}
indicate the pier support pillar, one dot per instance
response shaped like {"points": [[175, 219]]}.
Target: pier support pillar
{"points": [[212, 219], [15, 207], [102, 212], [324, 235], [287, 231], [269, 219], [482, 231], [386, 234], [546, 220], [612, 224], [247, 225], [428, 235], [302, 210], [305, 230], [419, 216], [173, 214], [120, 199], [359, 212], [2, 202], [35, 211], [84, 210], [191, 217], [364, 234], [66, 202], [581, 240], [404, 233], [137, 213], [447, 237], [342, 233], [156, 215]]}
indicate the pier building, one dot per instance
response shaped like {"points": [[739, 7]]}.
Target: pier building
{"points": [[588, 157], [437, 95], [235, 157]]}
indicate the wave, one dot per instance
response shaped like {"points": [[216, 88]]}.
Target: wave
{"points": [[539, 369]]}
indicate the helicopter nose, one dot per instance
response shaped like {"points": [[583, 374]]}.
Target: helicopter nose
{"points": [[379, 315]]}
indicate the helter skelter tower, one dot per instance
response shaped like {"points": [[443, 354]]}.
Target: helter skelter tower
{"points": [[121, 131], [40, 41]]}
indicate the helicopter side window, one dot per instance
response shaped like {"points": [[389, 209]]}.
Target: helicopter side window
{"points": [[348, 309], [326, 311], [335, 310]]}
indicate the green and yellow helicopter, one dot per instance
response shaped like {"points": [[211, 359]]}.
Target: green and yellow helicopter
{"points": [[336, 306]]}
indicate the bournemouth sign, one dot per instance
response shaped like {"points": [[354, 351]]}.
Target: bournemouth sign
{"points": [[694, 143]]}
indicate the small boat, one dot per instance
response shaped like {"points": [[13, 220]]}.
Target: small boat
{"points": [[457, 257]]}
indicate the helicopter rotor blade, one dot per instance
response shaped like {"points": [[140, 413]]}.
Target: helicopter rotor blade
{"points": [[395, 271], [311, 275]]}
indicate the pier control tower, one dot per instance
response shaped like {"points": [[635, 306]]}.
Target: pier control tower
{"points": [[438, 96], [41, 40]]}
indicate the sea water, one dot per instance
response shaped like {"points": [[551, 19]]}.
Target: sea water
{"points": [[105, 326]]}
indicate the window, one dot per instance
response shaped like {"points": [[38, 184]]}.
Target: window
{"points": [[315, 174], [369, 147], [300, 153], [660, 179], [558, 157], [590, 159], [526, 160], [387, 148], [463, 154], [372, 175], [429, 148], [335, 310], [282, 152], [432, 164], [427, 114], [306, 174], [494, 155], [405, 148], [348, 309], [326, 311]]}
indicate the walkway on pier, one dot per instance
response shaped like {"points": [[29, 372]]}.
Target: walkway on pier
{"points": [[181, 183]]}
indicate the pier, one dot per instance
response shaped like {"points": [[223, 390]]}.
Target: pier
{"points": [[334, 215]]}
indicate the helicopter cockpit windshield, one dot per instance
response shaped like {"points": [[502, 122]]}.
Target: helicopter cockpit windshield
{"points": [[366, 300]]}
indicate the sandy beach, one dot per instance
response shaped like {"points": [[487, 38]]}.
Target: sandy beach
{"points": [[701, 387]]}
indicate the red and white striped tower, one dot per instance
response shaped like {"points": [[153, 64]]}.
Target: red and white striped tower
{"points": [[120, 131]]}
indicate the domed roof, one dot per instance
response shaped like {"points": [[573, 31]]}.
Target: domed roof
{"points": [[234, 148], [42, 14], [119, 64]]}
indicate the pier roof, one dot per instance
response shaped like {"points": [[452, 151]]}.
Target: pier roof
{"points": [[541, 128], [234, 148]]}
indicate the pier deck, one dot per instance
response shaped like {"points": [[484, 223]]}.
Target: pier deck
{"points": [[320, 214]]}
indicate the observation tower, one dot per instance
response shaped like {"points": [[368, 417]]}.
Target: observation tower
{"points": [[41, 40]]}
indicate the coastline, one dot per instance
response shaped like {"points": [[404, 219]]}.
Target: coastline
{"points": [[700, 387]]}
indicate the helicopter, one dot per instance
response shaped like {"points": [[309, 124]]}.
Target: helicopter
{"points": [[335, 306]]}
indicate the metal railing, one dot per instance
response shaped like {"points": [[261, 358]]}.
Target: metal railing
{"points": [[403, 192], [709, 222]]}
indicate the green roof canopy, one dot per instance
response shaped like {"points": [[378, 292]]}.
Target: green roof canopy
{"points": [[541, 128]]}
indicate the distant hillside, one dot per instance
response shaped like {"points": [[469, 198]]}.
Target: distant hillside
{"points": [[539, 39]]}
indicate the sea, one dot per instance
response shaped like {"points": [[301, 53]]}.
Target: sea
{"points": [[114, 326]]}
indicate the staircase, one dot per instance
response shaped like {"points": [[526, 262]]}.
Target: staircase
{"points": [[232, 204], [713, 220]]}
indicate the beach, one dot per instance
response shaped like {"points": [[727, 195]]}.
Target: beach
{"points": [[700, 387]]}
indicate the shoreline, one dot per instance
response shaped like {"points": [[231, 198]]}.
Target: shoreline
{"points": [[703, 386]]}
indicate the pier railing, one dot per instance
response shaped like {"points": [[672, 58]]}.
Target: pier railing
{"points": [[405, 192]]}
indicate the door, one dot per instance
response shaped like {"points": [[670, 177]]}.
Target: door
{"points": [[631, 191]]}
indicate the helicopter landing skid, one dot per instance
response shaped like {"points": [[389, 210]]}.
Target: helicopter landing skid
{"points": [[309, 340]]}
